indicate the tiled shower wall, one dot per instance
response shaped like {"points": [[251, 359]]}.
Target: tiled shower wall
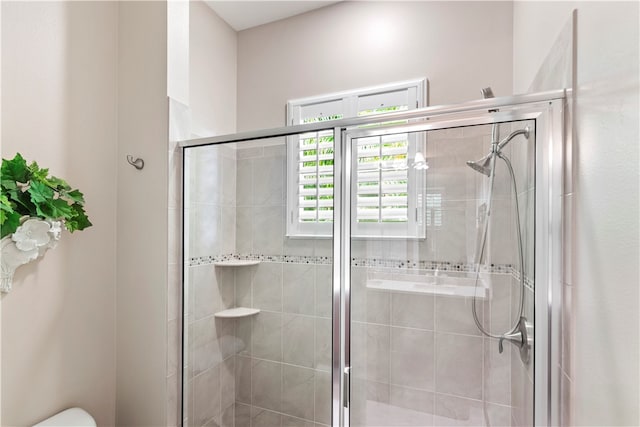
{"points": [[522, 156], [283, 371], [419, 359], [416, 357], [210, 345]]}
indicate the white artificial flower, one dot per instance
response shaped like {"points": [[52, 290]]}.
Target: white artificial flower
{"points": [[32, 234], [56, 229]]}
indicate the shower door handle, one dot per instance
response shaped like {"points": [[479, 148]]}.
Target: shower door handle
{"points": [[346, 386]]}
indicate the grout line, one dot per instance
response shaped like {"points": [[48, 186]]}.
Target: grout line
{"points": [[419, 329], [280, 401], [285, 364], [283, 414], [315, 339], [435, 370]]}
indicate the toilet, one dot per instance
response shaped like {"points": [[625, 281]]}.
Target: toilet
{"points": [[72, 417]]}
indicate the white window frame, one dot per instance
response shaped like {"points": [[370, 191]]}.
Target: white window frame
{"points": [[346, 103]]}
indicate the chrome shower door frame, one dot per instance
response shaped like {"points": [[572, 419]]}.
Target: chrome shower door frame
{"points": [[548, 111], [548, 115]]}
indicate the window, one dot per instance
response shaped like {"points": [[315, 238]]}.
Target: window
{"points": [[434, 209], [387, 193]]}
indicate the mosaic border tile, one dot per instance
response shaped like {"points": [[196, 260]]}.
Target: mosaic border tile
{"points": [[358, 262], [371, 263], [430, 265], [288, 259]]}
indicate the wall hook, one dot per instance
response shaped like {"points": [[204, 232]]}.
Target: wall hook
{"points": [[136, 163]]}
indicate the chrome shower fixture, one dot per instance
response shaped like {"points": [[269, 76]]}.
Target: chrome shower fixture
{"points": [[487, 92], [518, 334], [483, 165], [525, 132]]}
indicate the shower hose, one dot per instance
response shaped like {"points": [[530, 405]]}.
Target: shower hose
{"points": [[481, 252]]}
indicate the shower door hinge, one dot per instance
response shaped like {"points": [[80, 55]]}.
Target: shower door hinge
{"points": [[346, 386]]}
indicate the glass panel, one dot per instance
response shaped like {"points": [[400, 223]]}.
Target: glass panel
{"points": [[258, 304], [418, 358]]}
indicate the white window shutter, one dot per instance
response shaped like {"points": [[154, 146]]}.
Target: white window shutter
{"points": [[382, 194]]}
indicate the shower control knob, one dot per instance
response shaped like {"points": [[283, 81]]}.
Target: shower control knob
{"points": [[515, 338], [522, 338]]}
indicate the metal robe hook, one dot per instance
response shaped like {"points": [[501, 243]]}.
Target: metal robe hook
{"points": [[136, 163]]}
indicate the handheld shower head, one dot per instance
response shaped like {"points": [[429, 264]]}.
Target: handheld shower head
{"points": [[483, 165]]}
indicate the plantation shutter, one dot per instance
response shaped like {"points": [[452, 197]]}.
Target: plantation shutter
{"points": [[382, 179], [381, 164], [315, 163], [315, 177], [382, 167]]}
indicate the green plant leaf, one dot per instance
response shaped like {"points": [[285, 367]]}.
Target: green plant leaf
{"points": [[40, 193], [8, 184], [23, 203], [5, 204], [30, 191], [36, 172], [58, 183], [54, 209], [15, 169], [75, 196], [46, 205], [41, 175], [10, 224], [6, 208], [80, 221]]}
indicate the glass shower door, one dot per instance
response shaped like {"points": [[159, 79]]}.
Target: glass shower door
{"points": [[418, 216], [258, 282]]}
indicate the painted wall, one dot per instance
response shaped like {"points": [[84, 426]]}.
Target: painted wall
{"points": [[142, 215], [210, 225], [372, 43], [59, 99], [600, 376], [212, 72]]}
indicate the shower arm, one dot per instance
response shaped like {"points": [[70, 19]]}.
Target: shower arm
{"points": [[512, 135]]}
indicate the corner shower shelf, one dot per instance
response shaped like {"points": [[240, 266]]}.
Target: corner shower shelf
{"points": [[236, 263], [234, 313]]}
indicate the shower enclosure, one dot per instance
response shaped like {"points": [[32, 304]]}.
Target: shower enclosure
{"points": [[359, 272]]}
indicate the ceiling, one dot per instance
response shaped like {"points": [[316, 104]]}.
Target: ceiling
{"points": [[241, 14]]}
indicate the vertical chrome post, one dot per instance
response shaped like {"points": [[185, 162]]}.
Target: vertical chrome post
{"points": [[345, 242], [181, 303], [556, 164], [341, 278], [336, 344], [548, 263]]}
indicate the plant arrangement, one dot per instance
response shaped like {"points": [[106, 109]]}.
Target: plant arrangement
{"points": [[34, 207], [29, 191]]}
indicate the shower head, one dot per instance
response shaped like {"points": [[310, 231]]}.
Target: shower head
{"points": [[483, 165], [487, 92]]}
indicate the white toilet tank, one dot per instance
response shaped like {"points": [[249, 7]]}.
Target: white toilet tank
{"points": [[72, 417]]}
